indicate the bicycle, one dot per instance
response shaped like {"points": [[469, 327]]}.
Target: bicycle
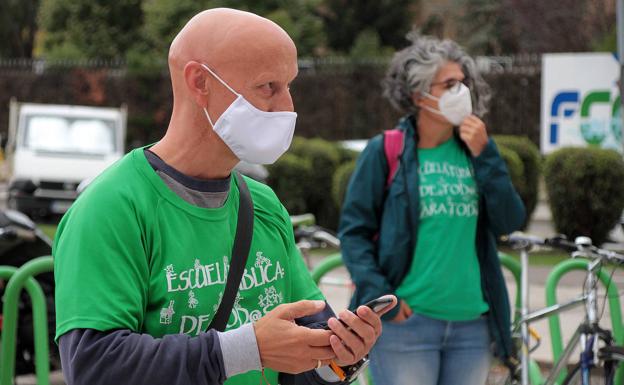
{"points": [[309, 236], [597, 344]]}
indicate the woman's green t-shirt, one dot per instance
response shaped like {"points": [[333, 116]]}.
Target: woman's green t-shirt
{"points": [[444, 280]]}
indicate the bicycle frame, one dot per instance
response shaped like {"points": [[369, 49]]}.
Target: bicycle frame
{"points": [[589, 298]]}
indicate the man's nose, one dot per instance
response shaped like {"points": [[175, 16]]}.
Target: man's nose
{"points": [[283, 102]]}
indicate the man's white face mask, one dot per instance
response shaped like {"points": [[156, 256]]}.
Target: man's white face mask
{"points": [[253, 135], [455, 104]]}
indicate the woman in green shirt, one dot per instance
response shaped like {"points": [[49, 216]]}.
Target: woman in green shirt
{"points": [[429, 236]]}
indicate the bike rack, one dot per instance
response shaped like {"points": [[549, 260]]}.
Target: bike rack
{"points": [[19, 279], [556, 339], [514, 267], [325, 266]]}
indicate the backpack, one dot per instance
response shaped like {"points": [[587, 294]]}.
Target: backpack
{"points": [[393, 148]]}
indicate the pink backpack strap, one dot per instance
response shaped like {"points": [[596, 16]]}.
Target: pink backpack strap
{"points": [[393, 146]]}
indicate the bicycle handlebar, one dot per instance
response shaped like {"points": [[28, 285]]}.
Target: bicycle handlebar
{"points": [[316, 233], [582, 246]]}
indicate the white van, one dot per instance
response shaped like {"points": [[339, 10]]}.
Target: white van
{"points": [[52, 148]]}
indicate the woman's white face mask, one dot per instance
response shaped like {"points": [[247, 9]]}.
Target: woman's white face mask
{"points": [[454, 105], [253, 135]]}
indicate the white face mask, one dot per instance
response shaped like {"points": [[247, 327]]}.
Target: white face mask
{"points": [[253, 135], [455, 104]]}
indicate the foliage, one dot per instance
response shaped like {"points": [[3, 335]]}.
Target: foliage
{"points": [[367, 45], [289, 178], [514, 166], [585, 191], [497, 27], [79, 29], [341, 179], [164, 18], [18, 26], [484, 27], [324, 158], [346, 155], [345, 20], [531, 159]]}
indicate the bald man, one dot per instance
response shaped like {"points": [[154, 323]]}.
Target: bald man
{"points": [[141, 258]]}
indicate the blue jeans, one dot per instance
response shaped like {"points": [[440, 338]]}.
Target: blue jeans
{"points": [[426, 351]]}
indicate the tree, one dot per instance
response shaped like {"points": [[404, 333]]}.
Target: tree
{"points": [[344, 20], [18, 25], [164, 18], [486, 27], [78, 29], [496, 27]]}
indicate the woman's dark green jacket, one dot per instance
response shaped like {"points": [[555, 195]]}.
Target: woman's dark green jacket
{"points": [[379, 226]]}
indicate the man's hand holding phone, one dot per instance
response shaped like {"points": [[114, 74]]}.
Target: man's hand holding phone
{"points": [[356, 333]]}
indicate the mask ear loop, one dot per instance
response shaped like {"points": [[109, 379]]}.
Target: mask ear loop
{"points": [[431, 109], [220, 81]]}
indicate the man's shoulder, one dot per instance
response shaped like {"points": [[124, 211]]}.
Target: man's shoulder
{"points": [[120, 182], [262, 194], [266, 203]]}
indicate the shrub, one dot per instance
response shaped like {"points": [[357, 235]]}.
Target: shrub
{"points": [[514, 166], [346, 155], [531, 159], [585, 189], [324, 158], [341, 181], [289, 177]]}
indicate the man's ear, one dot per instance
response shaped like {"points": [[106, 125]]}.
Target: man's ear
{"points": [[197, 82]]}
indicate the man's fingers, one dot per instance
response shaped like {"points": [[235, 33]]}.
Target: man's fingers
{"points": [[322, 353], [317, 337], [372, 319], [343, 354], [299, 309]]}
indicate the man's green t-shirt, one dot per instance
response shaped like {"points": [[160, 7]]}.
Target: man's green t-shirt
{"points": [[131, 254], [444, 280]]}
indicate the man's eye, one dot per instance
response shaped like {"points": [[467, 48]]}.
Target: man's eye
{"points": [[268, 87]]}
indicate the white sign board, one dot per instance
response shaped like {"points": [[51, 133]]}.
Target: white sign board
{"points": [[580, 101]]}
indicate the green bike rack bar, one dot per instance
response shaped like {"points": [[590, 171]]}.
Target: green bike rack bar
{"points": [[326, 265], [303, 220], [22, 278], [555, 326], [511, 264]]}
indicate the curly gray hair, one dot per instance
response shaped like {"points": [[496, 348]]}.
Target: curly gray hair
{"points": [[413, 69]]}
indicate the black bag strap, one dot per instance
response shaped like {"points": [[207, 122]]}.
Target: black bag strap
{"points": [[240, 252]]}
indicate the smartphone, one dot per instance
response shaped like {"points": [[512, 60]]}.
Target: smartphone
{"points": [[377, 305]]}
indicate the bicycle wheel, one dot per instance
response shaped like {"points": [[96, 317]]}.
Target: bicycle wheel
{"points": [[597, 377]]}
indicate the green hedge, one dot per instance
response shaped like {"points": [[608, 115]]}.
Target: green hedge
{"points": [[311, 191], [289, 178], [585, 189], [514, 166], [531, 159], [341, 181]]}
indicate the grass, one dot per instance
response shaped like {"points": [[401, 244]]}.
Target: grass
{"points": [[48, 229], [542, 258]]}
